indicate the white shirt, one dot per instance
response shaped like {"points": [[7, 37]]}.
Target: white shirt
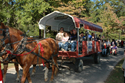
{"points": [[59, 36]]}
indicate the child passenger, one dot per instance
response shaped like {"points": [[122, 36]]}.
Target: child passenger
{"points": [[65, 42]]}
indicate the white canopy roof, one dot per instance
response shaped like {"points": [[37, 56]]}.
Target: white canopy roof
{"points": [[58, 19]]}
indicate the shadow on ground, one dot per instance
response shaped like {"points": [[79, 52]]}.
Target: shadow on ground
{"points": [[92, 73]]}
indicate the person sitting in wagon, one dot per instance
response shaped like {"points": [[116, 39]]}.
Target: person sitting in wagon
{"points": [[81, 37], [59, 37], [65, 42], [93, 37], [73, 39], [113, 49], [87, 36], [71, 32]]}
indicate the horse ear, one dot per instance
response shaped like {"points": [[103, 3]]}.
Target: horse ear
{"points": [[2, 25]]}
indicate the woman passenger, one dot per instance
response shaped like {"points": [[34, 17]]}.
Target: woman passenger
{"points": [[73, 39], [59, 37], [65, 42]]}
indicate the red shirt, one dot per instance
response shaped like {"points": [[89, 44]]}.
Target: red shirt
{"points": [[105, 46]]}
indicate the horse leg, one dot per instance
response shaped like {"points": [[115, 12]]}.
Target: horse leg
{"points": [[25, 73], [17, 70], [34, 69], [46, 72], [28, 77], [5, 71], [54, 68]]}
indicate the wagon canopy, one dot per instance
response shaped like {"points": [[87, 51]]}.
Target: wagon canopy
{"points": [[58, 19]]}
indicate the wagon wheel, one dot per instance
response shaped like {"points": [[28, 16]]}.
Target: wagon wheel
{"points": [[97, 58], [107, 54], [78, 65]]}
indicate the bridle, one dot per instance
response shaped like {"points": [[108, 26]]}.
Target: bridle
{"points": [[8, 46], [6, 35]]}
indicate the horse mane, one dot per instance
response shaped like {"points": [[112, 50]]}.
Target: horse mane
{"points": [[15, 30]]}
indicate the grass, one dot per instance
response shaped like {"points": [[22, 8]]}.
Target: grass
{"points": [[10, 65], [116, 76]]}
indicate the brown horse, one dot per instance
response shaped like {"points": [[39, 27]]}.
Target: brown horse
{"points": [[49, 45], [5, 64]]}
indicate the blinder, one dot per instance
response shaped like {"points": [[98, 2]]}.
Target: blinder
{"points": [[3, 36]]}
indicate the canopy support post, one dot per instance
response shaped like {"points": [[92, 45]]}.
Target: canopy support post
{"points": [[44, 33], [39, 33], [78, 38]]}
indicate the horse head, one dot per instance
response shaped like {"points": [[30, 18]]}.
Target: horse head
{"points": [[4, 33], [8, 36]]}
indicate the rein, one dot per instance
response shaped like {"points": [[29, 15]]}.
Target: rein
{"points": [[41, 50]]}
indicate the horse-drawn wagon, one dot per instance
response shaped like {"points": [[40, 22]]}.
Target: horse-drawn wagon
{"points": [[89, 47], [27, 51]]}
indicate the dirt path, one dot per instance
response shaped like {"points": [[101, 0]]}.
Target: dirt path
{"points": [[92, 73]]}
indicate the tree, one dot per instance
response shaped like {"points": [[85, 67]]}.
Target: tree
{"points": [[29, 12], [7, 11], [103, 13], [73, 7]]}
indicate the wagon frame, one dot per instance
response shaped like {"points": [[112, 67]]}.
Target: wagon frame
{"points": [[57, 20]]}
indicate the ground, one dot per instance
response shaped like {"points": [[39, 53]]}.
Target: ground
{"points": [[92, 73]]}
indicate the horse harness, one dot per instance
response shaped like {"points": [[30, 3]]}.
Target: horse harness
{"points": [[20, 48]]}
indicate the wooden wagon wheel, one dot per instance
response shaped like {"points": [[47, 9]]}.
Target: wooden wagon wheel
{"points": [[97, 58], [78, 65]]}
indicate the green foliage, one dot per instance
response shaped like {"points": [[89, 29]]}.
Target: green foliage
{"points": [[72, 7], [29, 12], [107, 14], [25, 14]]}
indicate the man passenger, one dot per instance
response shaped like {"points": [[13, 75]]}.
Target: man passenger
{"points": [[73, 39]]}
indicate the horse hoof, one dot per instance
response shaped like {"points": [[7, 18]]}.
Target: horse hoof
{"points": [[33, 74], [17, 79], [46, 79], [51, 81]]}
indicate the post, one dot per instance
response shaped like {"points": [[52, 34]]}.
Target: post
{"points": [[95, 40], [44, 33], [39, 33], [78, 38]]}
